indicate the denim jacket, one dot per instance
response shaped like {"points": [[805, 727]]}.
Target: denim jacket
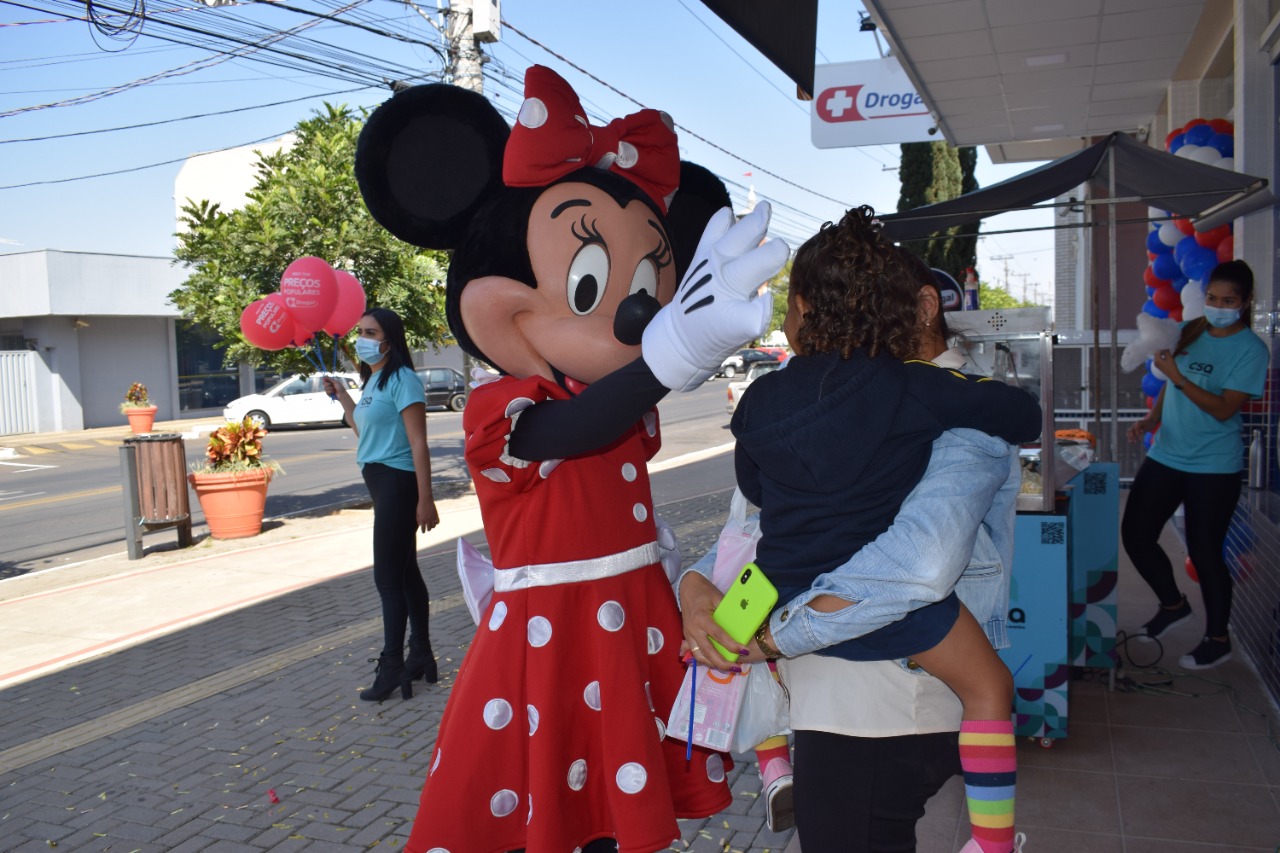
{"points": [[954, 530]]}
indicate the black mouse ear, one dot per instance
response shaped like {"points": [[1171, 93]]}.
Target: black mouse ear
{"points": [[427, 159], [700, 195]]}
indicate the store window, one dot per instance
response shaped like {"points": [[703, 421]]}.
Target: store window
{"points": [[203, 381]]}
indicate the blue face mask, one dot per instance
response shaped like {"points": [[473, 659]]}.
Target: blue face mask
{"points": [[1220, 318], [369, 350]]}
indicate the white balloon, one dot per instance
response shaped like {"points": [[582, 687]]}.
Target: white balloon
{"points": [[1170, 235], [1207, 155], [1192, 301], [1228, 163], [1157, 213], [1186, 151], [1158, 373]]}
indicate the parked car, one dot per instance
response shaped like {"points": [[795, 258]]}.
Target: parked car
{"points": [[754, 372], [780, 353], [297, 399], [741, 360], [445, 386]]}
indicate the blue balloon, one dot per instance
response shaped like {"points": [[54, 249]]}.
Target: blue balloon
{"points": [[1180, 282], [1154, 243], [1146, 439], [1165, 267], [1225, 144], [1199, 135], [1183, 246], [1151, 386], [1154, 310], [1150, 291], [1177, 142], [1199, 262]]}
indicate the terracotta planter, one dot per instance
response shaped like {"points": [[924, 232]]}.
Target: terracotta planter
{"points": [[233, 503], [141, 418]]}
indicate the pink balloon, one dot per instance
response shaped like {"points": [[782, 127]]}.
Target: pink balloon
{"points": [[301, 336], [350, 307], [310, 291], [267, 324]]}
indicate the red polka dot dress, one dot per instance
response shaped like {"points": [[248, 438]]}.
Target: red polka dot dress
{"points": [[555, 732]]}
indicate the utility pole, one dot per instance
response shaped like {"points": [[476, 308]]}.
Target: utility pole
{"points": [[1024, 276], [1006, 259]]}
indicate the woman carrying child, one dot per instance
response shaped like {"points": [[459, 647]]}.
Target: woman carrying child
{"points": [[829, 448]]}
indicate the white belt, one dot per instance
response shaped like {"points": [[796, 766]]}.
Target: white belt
{"points": [[574, 571]]}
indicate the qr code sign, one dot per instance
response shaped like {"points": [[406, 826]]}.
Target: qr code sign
{"points": [[1095, 483], [1053, 532]]}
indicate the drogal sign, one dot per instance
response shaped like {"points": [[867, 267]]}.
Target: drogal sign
{"points": [[866, 103]]}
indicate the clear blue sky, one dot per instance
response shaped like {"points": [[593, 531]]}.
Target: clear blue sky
{"points": [[674, 55]]}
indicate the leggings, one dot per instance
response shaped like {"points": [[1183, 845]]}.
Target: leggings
{"points": [[865, 794], [395, 555], [1209, 501]]}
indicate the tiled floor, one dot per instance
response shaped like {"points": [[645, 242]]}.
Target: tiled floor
{"points": [[1185, 766]]}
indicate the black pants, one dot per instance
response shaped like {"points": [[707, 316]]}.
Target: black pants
{"points": [[1209, 501], [395, 554], [864, 794]]}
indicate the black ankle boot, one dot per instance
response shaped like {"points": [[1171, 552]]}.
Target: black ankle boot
{"points": [[421, 662], [388, 675]]}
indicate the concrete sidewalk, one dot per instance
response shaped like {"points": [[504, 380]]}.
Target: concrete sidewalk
{"points": [[206, 698]]}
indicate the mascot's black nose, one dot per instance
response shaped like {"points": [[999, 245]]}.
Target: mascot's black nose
{"points": [[633, 314]]}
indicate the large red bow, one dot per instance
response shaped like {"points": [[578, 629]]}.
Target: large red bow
{"points": [[552, 138]]}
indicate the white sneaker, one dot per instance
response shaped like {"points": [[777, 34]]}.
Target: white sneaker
{"points": [[779, 805]]}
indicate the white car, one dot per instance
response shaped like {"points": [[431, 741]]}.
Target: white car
{"points": [[738, 386], [297, 399]]}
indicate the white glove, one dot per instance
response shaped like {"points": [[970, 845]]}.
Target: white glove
{"points": [[715, 309], [669, 549]]}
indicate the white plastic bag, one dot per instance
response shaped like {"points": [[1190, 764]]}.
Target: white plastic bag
{"points": [[764, 710], [737, 544]]}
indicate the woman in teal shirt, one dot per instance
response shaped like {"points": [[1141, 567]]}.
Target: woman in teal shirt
{"points": [[390, 422], [1196, 459]]}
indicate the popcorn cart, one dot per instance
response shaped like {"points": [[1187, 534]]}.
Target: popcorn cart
{"points": [[1062, 607]]}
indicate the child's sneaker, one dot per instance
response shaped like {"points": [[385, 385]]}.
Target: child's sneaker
{"points": [[1164, 620], [779, 807], [1207, 655]]}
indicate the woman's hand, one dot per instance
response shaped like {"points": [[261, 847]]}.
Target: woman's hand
{"points": [[427, 515], [698, 600], [1140, 428], [332, 387], [1168, 365]]}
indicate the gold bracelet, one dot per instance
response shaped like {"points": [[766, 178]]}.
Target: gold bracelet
{"points": [[770, 652]]}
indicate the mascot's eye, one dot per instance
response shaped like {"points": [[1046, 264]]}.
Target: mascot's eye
{"points": [[645, 279], [588, 275]]}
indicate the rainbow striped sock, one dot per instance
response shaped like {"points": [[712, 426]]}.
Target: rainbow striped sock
{"points": [[990, 768]]}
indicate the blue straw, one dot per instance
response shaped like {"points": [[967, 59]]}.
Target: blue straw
{"points": [[334, 338], [693, 697]]}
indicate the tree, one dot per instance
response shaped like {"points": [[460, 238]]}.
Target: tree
{"points": [[992, 296], [931, 172], [305, 201], [780, 284]]}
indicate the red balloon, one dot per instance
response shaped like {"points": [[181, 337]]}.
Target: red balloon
{"points": [[1211, 238], [1154, 280], [1184, 225], [1150, 401], [1191, 571], [1176, 314], [350, 307], [1166, 298], [1226, 249], [1221, 125], [301, 337], [267, 325], [310, 290], [1168, 139], [1151, 256], [1194, 122]]}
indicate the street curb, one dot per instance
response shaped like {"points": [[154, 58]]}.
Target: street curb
{"points": [[7, 453]]}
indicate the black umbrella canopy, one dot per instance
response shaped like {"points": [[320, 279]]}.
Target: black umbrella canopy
{"points": [[1143, 173], [785, 31]]}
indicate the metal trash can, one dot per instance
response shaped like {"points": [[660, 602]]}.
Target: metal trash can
{"points": [[154, 467]]}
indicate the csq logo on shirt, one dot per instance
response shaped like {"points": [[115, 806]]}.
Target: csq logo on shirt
{"points": [[1201, 367], [366, 401]]}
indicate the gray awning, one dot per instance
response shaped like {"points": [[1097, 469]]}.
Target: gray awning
{"points": [[1143, 174]]}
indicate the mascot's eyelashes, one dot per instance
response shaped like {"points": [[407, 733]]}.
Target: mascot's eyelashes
{"points": [[590, 234]]}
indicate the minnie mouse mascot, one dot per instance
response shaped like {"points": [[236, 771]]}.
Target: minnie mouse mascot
{"points": [[577, 272]]}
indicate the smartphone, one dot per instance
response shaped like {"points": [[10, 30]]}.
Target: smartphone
{"points": [[746, 604]]}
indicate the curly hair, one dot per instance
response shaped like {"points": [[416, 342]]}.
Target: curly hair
{"points": [[859, 291]]}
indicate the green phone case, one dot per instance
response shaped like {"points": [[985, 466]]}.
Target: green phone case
{"points": [[745, 606]]}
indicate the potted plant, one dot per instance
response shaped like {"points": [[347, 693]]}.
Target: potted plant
{"points": [[232, 483], [138, 408]]}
